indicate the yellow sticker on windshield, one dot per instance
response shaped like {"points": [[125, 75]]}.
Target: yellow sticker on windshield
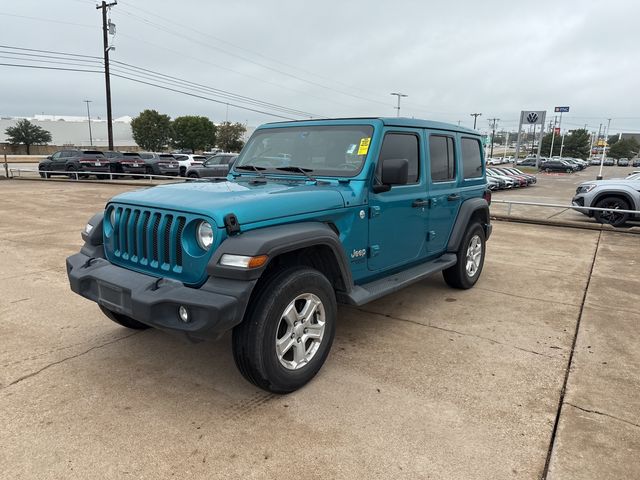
{"points": [[364, 145]]}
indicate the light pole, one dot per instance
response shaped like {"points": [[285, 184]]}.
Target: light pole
{"points": [[475, 118], [399, 95], [89, 119]]}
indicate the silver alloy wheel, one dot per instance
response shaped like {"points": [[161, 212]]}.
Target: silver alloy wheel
{"points": [[474, 255], [300, 331]]}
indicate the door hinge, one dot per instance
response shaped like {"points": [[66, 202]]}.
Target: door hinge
{"points": [[431, 235], [374, 250], [374, 212]]}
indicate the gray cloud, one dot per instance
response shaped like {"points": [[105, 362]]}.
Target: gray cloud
{"points": [[451, 58]]}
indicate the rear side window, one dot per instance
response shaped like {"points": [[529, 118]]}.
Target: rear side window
{"points": [[471, 158], [402, 145], [442, 158]]}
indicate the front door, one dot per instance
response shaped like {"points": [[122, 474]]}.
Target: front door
{"points": [[398, 218]]}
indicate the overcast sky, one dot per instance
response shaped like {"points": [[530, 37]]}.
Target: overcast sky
{"points": [[337, 58]]}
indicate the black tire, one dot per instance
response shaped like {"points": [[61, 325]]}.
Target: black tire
{"points": [[547, 170], [44, 174], [124, 320], [458, 276], [612, 218], [254, 340], [183, 171], [193, 175], [148, 170], [568, 170], [71, 169]]}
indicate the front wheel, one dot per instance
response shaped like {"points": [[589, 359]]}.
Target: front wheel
{"points": [[612, 216], [124, 320], [465, 273], [287, 331]]}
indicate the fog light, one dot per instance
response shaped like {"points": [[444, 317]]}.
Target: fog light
{"points": [[183, 313]]}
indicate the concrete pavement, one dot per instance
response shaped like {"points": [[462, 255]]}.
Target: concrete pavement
{"points": [[427, 383]]}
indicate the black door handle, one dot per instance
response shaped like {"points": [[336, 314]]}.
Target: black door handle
{"points": [[453, 196], [420, 203]]}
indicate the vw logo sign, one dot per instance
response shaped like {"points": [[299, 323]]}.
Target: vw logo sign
{"points": [[532, 117]]}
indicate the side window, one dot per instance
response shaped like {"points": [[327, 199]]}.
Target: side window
{"points": [[442, 158], [402, 145], [55, 156], [471, 158]]}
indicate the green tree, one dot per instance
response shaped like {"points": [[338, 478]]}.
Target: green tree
{"points": [[230, 135], [612, 139], [151, 130], [626, 148], [28, 133], [193, 132], [576, 144]]}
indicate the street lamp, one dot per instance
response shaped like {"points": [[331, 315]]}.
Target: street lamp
{"points": [[475, 118], [399, 95], [89, 119]]}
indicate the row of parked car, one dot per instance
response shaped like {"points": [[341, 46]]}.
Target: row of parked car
{"points": [[508, 177], [106, 164], [621, 162], [556, 164]]}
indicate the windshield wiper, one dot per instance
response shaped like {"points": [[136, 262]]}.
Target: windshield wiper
{"points": [[303, 171], [253, 168]]}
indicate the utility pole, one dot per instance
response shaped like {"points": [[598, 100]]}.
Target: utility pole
{"points": [[553, 135], [399, 95], [89, 119], [475, 118], [493, 122], [107, 80]]}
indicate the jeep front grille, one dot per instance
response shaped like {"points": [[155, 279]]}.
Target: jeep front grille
{"points": [[161, 243], [151, 239]]}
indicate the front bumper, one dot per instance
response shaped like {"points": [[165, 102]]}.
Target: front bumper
{"points": [[578, 201], [214, 308]]}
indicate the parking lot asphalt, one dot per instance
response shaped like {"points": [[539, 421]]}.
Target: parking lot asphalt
{"points": [[429, 382]]}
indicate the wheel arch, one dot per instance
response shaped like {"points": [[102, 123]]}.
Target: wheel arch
{"points": [[470, 210], [312, 244], [616, 194]]}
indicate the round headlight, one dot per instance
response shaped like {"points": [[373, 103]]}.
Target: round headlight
{"points": [[204, 235], [112, 217]]}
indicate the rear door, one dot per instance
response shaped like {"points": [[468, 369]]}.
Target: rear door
{"points": [[398, 218], [444, 188]]}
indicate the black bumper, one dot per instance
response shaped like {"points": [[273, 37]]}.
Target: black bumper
{"points": [[214, 308]]}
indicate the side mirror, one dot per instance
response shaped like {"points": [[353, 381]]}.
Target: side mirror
{"points": [[395, 171], [48, 157]]}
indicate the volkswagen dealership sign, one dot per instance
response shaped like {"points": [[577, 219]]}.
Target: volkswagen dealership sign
{"points": [[528, 117], [532, 118]]}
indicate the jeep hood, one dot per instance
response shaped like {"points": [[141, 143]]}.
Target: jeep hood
{"points": [[250, 202]]}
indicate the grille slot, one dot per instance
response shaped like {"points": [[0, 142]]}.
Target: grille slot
{"points": [[149, 238]]}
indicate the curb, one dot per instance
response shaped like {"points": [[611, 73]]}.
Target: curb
{"points": [[565, 224]]}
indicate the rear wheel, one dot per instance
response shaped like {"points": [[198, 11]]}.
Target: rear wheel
{"points": [[183, 171], [612, 217], [193, 175], [568, 170], [123, 320], [287, 331], [148, 170], [70, 172], [465, 273]]}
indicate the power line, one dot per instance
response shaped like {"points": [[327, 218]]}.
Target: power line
{"points": [[166, 29], [49, 68], [57, 57]]}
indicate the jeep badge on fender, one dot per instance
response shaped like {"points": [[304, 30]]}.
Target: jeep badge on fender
{"points": [[312, 214]]}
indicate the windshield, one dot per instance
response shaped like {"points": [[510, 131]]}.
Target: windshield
{"points": [[338, 150]]}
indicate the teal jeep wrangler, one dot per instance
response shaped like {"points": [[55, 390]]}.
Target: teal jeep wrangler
{"points": [[312, 214]]}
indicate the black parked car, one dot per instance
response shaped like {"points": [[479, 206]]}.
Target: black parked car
{"points": [[160, 164], [558, 166], [214, 166], [68, 162]]}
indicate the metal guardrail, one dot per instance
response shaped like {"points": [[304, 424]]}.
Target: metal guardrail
{"points": [[76, 174], [557, 205]]}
